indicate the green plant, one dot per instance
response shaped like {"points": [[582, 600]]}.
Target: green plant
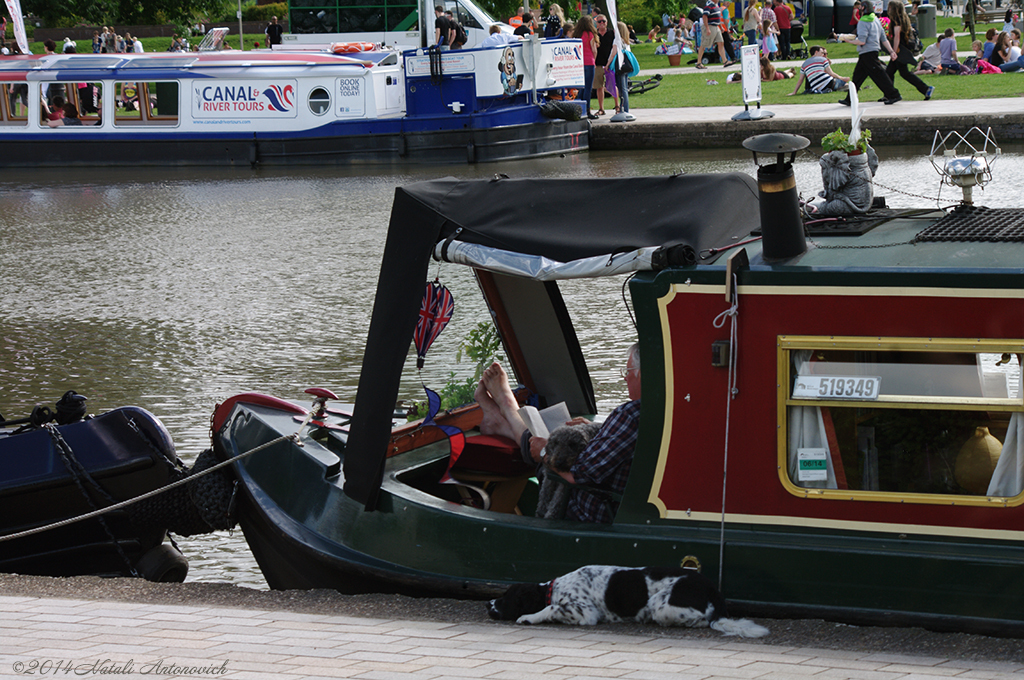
{"points": [[840, 141], [482, 345]]}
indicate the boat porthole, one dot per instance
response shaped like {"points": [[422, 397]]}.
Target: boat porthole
{"points": [[319, 101]]}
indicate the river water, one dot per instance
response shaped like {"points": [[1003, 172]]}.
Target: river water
{"points": [[174, 289]]}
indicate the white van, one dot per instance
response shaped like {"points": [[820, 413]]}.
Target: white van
{"points": [[393, 23]]}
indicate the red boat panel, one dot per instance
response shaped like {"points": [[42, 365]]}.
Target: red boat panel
{"points": [[693, 453]]}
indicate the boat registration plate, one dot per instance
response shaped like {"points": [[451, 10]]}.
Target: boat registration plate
{"points": [[836, 387]]}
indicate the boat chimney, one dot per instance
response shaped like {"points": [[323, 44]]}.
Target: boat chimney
{"points": [[782, 228]]}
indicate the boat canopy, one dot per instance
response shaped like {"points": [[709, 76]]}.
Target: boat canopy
{"points": [[542, 229]]}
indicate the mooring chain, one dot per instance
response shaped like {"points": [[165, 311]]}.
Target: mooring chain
{"points": [[855, 247], [155, 492], [77, 471], [175, 462]]}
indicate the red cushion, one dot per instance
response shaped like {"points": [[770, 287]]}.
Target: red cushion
{"points": [[494, 454]]}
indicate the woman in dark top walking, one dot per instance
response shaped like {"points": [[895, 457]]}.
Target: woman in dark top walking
{"points": [[900, 35]]}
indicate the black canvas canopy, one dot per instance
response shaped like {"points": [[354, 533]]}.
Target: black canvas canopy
{"points": [[560, 219]]}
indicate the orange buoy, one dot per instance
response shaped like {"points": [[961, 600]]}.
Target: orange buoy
{"points": [[350, 47]]}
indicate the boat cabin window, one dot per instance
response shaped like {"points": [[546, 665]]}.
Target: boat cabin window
{"points": [[142, 103], [86, 97], [14, 103], [319, 101], [900, 420]]}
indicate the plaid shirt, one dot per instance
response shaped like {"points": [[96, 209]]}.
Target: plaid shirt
{"points": [[605, 464]]}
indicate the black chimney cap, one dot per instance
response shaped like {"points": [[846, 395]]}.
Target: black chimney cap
{"points": [[778, 143]]}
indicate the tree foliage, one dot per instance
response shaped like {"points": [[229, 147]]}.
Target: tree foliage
{"points": [[638, 13], [122, 12]]}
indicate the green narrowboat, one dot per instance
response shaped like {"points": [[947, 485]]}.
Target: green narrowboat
{"points": [[832, 420]]}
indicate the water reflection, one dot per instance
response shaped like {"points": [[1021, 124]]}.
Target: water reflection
{"points": [[173, 289]]}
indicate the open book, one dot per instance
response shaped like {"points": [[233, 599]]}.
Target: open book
{"points": [[541, 423]]}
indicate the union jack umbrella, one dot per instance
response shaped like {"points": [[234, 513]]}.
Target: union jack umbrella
{"points": [[435, 313]]}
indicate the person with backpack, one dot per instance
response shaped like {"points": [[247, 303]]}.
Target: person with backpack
{"points": [[460, 33], [443, 33]]}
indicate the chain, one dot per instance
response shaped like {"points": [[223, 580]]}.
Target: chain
{"points": [[123, 504], [877, 245], [77, 472]]}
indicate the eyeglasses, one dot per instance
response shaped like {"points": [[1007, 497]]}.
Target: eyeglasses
{"points": [[626, 371], [601, 21]]}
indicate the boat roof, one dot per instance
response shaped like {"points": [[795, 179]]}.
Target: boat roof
{"points": [[560, 219], [173, 63]]}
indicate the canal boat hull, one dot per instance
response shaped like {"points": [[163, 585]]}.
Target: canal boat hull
{"points": [[76, 468], [888, 536], [278, 108]]}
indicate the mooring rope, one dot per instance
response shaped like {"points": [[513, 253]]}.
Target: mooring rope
{"points": [[155, 492], [719, 321]]}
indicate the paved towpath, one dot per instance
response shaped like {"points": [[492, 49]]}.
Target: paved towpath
{"points": [[48, 637], [911, 121]]}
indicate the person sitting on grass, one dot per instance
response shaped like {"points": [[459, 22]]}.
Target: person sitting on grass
{"points": [[1016, 60], [817, 72], [947, 53], [770, 73], [1001, 52], [990, 44], [931, 59]]}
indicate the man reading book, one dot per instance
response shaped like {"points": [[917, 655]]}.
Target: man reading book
{"points": [[603, 465]]}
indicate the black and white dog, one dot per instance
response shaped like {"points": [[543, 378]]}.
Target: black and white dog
{"points": [[669, 596]]}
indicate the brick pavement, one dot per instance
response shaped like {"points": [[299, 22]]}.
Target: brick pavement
{"points": [[83, 638]]}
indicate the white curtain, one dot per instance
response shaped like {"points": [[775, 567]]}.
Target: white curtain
{"points": [[807, 431], [1008, 478]]}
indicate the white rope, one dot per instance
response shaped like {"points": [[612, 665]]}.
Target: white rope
{"points": [[732, 313], [155, 492]]}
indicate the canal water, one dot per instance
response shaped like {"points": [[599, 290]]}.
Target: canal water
{"points": [[173, 289]]}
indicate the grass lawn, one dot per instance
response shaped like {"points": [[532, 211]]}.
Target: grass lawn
{"points": [[692, 89]]}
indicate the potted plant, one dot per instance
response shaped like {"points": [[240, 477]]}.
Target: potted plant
{"points": [[840, 141]]}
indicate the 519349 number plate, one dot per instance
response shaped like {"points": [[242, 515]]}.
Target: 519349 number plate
{"points": [[836, 387]]}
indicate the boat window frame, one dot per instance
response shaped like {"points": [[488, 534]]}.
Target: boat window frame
{"points": [[71, 91], [146, 116], [6, 113], [786, 344], [329, 100]]}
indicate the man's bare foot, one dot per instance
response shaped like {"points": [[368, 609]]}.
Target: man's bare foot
{"points": [[493, 422], [495, 380]]}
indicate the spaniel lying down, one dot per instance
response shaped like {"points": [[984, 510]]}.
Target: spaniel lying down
{"points": [[590, 595]]}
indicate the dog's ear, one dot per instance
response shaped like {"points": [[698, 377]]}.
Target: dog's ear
{"points": [[520, 599]]}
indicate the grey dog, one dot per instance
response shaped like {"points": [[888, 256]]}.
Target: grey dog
{"points": [[561, 451]]}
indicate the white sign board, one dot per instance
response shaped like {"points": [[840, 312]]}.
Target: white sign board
{"points": [[351, 97], [457, 61], [750, 67], [245, 99]]}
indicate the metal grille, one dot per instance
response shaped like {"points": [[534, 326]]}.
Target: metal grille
{"points": [[976, 223]]}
